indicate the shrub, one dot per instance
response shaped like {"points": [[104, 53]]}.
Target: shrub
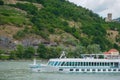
{"points": [[1, 2], [29, 52], [19, 34]]}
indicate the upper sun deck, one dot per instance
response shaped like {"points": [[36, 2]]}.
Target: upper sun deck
{"points": [[89, 58], [84, 60]]}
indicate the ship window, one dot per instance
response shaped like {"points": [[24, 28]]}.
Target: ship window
{"points": [[75, 64], [78, 63], [77, 69], [81, 63], [111, 63], [51, 63], [109, 69], [62, 63], [118, 69], [99, 69], [114, 69], [116, 64], [92, 64], [55, 64], [104, 69], [72, 63], [89, 63], [82, 70], [88, 69], [71, 69], [93, 69], [108, 63], [102, 64], [97, 64], [105, 64], [86, 63], [67, 64], [60, 69], [59, 63]]}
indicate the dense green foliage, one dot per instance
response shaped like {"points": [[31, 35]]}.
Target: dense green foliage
{"points": [[22, 53], [29, 52], [29, 7], [46, 52], [56, 14]]}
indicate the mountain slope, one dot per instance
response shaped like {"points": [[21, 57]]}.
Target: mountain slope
{"points": [[57, 21]]}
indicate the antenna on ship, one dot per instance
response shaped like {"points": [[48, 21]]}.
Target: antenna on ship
{"points": [[63, 55], [34, 60]]}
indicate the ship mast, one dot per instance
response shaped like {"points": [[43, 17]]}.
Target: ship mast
{"points": [[62, 55]]}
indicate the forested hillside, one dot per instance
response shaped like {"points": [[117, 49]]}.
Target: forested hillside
{"points": [[46, 27]]}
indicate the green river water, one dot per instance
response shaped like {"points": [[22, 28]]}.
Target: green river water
{"points": [[19, 70]]}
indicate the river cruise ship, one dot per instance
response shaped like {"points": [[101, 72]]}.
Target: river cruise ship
{"points": [[89, 63]]}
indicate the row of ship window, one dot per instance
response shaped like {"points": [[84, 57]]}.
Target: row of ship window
{"points": [[55, 63], [92, 70]]}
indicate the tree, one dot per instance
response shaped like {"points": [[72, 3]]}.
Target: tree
{"points": [[93, 49], [53, 52], [19, 34], [1, 2], [20, 51], [13, 55], [29, 52], [79, 50], [1, 52], [42, 51]]}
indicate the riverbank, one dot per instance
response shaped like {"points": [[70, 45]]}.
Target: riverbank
{"points": [[28, 60]]}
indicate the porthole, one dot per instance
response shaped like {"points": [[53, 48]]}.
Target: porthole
{"points": [[93, 69], [82, 70], [60, 69], [99, 69], [71, 69], [104, 69], [88, 69], [109, 69], [114, 69], [77, 69]]}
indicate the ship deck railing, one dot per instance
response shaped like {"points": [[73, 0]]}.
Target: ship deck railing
{"points": [[101, 56]]}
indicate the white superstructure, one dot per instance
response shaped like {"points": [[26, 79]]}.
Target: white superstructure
{"points": [[85, 64]]}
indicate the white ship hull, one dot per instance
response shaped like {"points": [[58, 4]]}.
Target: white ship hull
{"points": [[89, 66], [75, 70], [79, 65]]}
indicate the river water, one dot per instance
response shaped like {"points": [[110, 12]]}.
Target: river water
{"points": [[19, 70]]}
